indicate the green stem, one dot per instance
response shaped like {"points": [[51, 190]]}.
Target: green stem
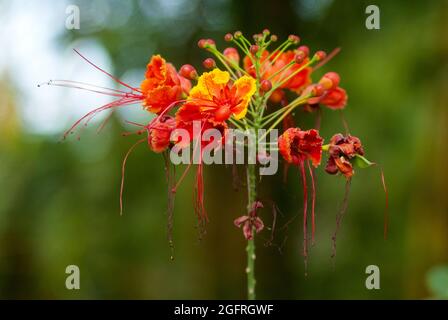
{"points": [[252, 196]]}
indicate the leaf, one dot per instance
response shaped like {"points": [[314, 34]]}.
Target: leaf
{"points": [[361, 162]]}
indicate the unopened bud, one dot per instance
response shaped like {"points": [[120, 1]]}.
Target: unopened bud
{"points": [[238, 34], [209, 63], [274, 38], [294, 39], [188, 71], [330, 80], [304, 49], [266, 85], [266, 32], [228, 37], [254, 48], [320, 55], [232, 55]]}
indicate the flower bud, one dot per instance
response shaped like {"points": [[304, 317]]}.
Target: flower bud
{"points": [[320, 55], [228, 37], [294, 39], [330, 80], [201, 43], [257, 37], [266, 32], [304, 49], [274, 38], [266, 85], [254, 48], [232, 55], [209, 63], [206, 43], [238, 34], [188, 71]]}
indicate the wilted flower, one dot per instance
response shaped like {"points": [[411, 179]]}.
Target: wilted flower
{"points": [[342, 150], [250, 222], [296, 146]]}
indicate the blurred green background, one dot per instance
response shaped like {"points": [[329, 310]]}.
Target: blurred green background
{"points": [[59, 202]]}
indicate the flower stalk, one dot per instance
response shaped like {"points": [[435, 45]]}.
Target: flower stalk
{"points": [[250, 249]]}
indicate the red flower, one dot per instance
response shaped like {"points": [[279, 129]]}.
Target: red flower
{"points": [[216, 99], [159, 133], [296, 146], [250, 222], [334, 99], [341, 150], [162, 85]]}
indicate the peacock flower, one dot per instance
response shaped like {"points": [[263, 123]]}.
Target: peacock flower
{"points": [[159, 134], [215, 98], [296, 146], [342, 149], [162, 85], [330, 95]]}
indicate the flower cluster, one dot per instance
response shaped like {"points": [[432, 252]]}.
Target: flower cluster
{"points": [[261, 90]]}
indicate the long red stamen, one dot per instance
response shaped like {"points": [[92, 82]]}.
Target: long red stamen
{"points": [[327, 58], [117, 103], [313, 202], [107, 73], [123, 168], [340, 215], [91, 88], [305, 208]]}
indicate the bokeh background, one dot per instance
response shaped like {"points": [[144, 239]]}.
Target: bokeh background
{"points": [[59, 202]]}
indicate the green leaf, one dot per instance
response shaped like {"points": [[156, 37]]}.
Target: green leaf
{"points": [[361, 162]]}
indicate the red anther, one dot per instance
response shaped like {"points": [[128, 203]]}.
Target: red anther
{"points": [[188, 71], [209, 63], [305, 50], [228, 37], [232, 55], [320, 55], [330, 80], [294, 39], [254, 48], [266, 85]]}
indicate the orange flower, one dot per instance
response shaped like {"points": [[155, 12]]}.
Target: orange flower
{"points": [[215, 98], [296, 146], [162, 85]]}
